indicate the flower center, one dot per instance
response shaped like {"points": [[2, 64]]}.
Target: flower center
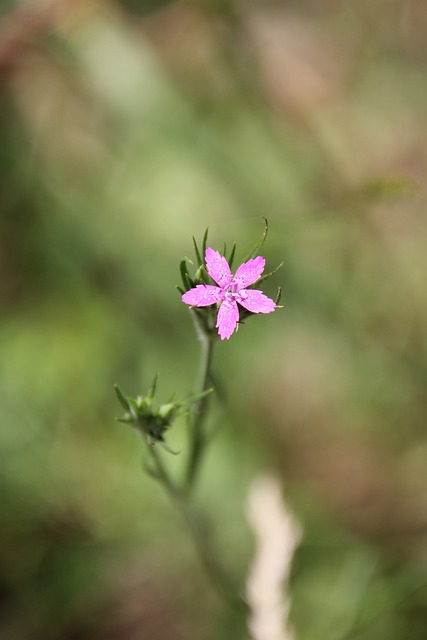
{"points": [[232, 292]]}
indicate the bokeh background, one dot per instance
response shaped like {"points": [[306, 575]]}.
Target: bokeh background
{"points": [[126, 127]]}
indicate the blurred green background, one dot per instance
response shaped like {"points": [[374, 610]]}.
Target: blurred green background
{"points": [[125, 128]]}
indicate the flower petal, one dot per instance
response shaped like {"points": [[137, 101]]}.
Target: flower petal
{"points": [[249, 272], [228, 317], [217, 267], [202, 296], [256, 302]]}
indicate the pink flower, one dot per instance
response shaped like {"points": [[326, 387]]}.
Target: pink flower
{"points": [[230, 291]]}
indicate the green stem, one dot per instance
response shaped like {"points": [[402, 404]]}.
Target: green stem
{"points": [[198, 434], [196, 522], [199, 530]]}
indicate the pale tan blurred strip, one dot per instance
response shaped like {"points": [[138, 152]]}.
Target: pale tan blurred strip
{"points": [[277, 535]]}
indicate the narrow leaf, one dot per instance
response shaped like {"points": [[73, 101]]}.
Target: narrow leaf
{"points": [[184, 272], [256, 248], [205, 241], [231, 258], [184, 406], [152, 391], [167, 448], [123, 401], [278, 297], [268, 275], [198, 256], [127, 419], [186, 279]]}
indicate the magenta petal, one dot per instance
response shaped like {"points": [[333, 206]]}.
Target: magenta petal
{"points": [[217, 267], [228, 317], [256, 302], [249, 272], [202, 296]]}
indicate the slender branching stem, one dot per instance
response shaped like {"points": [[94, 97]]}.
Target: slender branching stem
{"points": [[181, 495], [199, 530]]}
